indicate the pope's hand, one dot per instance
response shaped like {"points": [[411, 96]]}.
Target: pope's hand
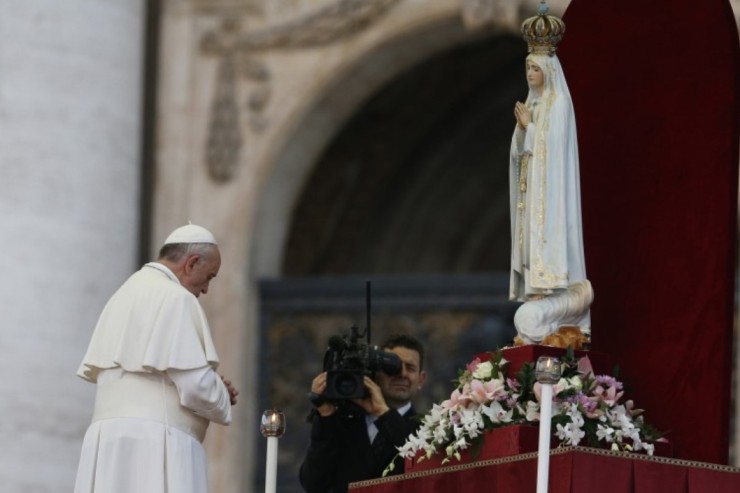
{"points": [[232, 390]]}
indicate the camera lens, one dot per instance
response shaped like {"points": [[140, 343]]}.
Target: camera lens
{"points": [[346, 385], [385, 361]]}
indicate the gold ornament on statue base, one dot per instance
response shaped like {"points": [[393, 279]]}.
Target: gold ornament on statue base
{"points": [[568, 336]]}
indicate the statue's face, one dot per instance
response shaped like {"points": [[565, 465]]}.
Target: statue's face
{"points": [[535, 77]]}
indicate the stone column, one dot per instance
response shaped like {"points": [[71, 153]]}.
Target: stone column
{"points": [[70, 125]]}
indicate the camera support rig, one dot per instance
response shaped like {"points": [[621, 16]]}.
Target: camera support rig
{"points": [[347, 361]]}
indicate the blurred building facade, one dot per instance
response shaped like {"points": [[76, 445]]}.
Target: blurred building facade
{"points": [[317, 139]]}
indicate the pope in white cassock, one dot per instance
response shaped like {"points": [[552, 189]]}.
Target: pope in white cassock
{"points": [[154, 363], [548, 270]]}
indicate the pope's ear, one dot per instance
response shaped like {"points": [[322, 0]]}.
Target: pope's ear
{"points": [[190, 262]]}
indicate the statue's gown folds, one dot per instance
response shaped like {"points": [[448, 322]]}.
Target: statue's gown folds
{"points": [[547, 241]]}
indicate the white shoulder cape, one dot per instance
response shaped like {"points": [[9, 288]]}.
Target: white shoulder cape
{"points": [[151, 323]]}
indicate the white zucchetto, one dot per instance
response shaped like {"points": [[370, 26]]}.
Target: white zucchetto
{"points": [[190, 233]]}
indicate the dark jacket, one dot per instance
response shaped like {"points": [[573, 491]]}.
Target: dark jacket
{"points": [[340, 451]]}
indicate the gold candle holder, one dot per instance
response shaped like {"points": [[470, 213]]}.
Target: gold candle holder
{"points": [[548, 369], [273, 423]]}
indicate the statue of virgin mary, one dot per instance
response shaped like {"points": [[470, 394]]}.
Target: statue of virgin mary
{"points": [[548, 270]]}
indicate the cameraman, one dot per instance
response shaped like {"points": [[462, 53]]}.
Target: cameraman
{"points": [[353, 446]]}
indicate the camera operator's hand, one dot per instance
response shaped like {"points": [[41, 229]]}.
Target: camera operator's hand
{"points": [[318, 387], [374, 404]]}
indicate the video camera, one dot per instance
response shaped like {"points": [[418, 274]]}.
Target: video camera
{"points": [[347, 360]]}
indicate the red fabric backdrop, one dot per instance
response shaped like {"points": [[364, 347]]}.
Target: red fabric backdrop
{"points": [[655, 89]]}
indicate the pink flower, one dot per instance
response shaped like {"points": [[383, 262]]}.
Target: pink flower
{"points": [[584, 366], [473, 365], [513, 384], [589, 406], [482, 392], [478, 392], [609, 381], [610, 396], [457, 400]]}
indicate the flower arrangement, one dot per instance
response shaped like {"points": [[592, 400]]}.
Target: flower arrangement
{"points": [[586, 407]]}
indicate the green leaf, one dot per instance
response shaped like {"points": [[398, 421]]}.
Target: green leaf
{"points": [[390, 467], [590, 427], [526, 376], [476, 445], [570, 355]]}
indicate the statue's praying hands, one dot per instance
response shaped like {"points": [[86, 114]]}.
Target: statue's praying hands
{"points": [[522, 114]]}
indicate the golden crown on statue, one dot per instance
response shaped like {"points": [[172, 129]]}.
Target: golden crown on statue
{"points": [[543, 32]]}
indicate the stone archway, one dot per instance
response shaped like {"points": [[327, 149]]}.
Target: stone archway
{"points": [[325, 117]]}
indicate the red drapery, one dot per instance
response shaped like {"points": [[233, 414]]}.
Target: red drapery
{"points": [[572, 470], [655, 90]]}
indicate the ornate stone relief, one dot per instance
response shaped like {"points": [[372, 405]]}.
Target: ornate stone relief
{"points": [[224, 130], [239, 57], [477, 14], [239, 51]]}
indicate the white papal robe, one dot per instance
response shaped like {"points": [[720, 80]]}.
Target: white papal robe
{"points": [[153, 360]]}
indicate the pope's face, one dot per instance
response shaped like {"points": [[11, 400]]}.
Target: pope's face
{"points": [[199, 270], [535, 77], [399, 389]]}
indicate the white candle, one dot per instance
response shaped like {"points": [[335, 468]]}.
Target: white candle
{"points": [[271, 468], [543, 452], [272, 428]]}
